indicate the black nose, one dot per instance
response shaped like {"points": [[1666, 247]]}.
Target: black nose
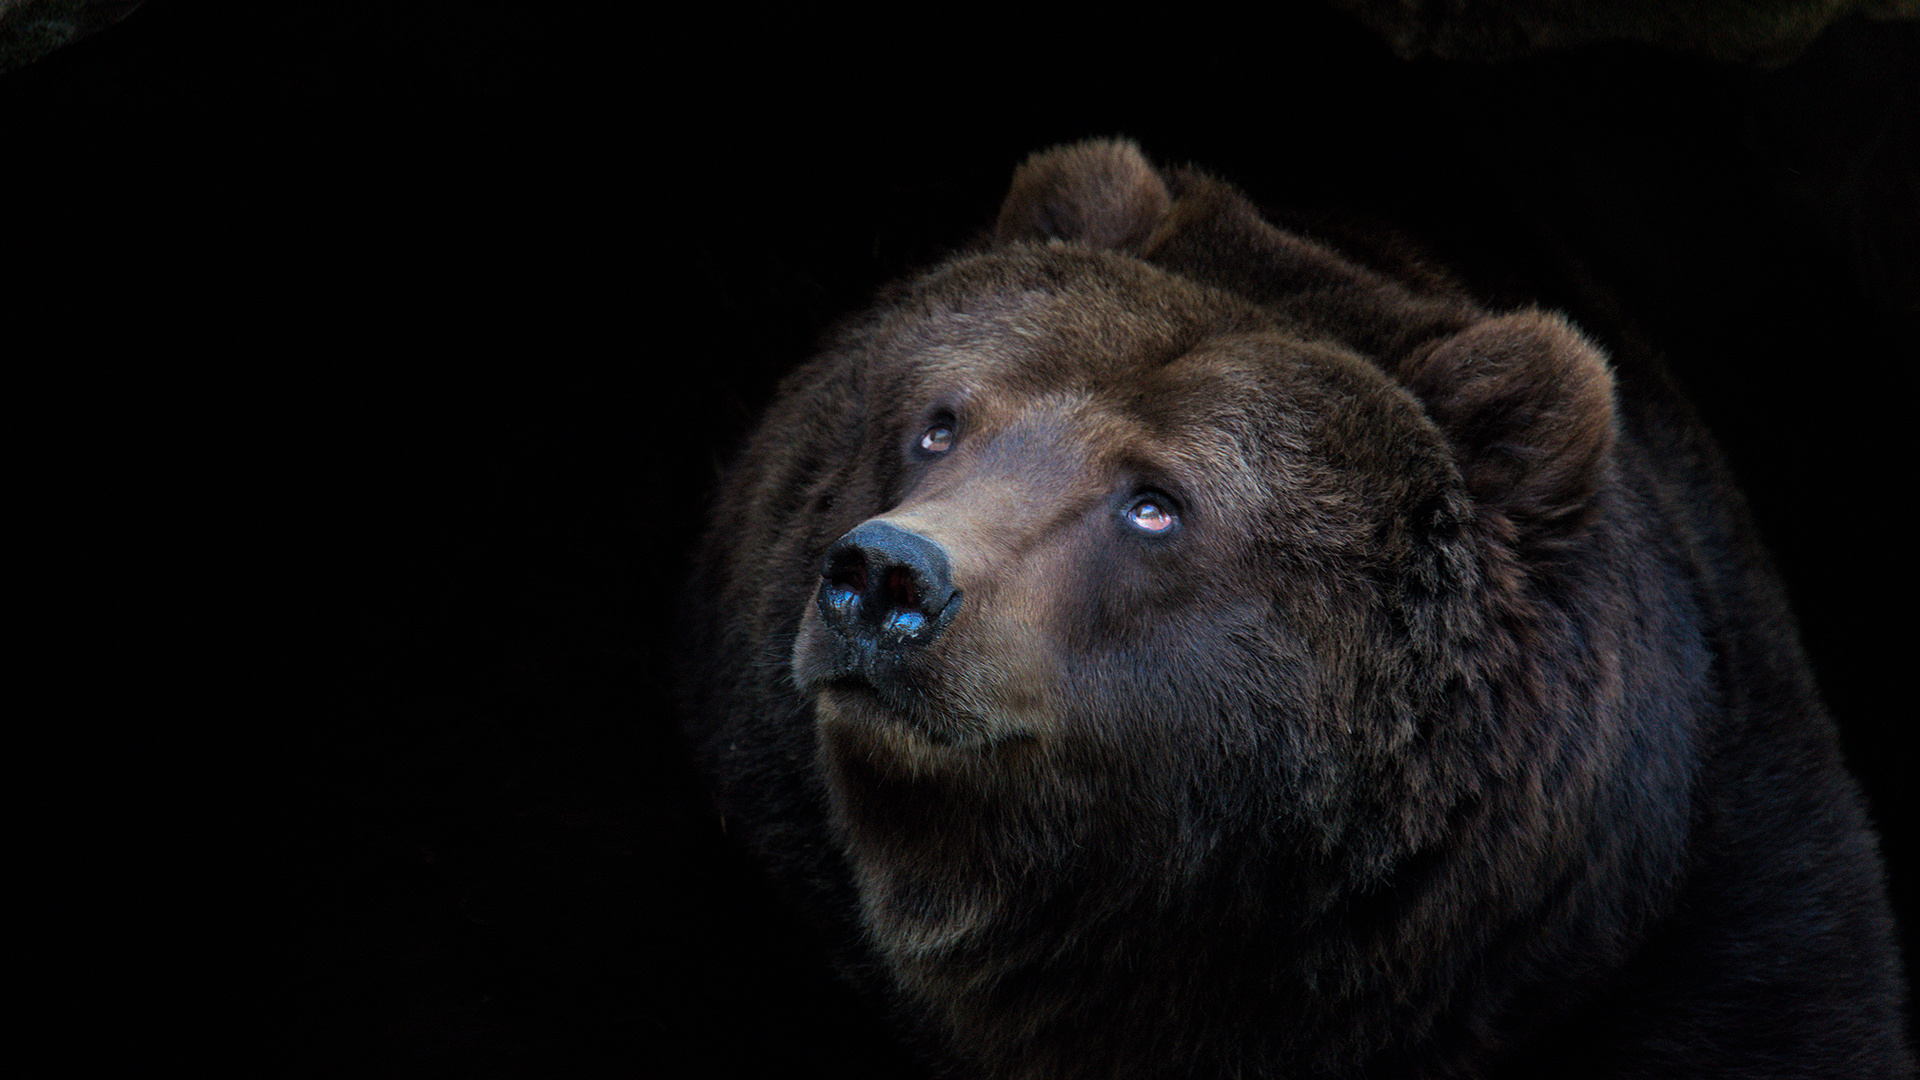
{"points": [[883, 585]]}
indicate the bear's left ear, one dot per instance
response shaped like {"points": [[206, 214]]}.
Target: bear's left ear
{"points": [[1102, 193], [1528, 404]]}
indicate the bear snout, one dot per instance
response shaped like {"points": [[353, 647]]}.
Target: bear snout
{"points": [[883, 587]]}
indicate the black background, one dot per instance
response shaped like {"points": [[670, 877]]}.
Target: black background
{"points": [[374, 364]]}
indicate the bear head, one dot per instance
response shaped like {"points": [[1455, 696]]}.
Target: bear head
{"points": [[1155, 613]]}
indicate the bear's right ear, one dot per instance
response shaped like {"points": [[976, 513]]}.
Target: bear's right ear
{"points": [[1101, 193], [1527, 403]]}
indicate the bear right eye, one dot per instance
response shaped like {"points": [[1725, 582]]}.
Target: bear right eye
{"points": [[1152, 513], [938, 439]]}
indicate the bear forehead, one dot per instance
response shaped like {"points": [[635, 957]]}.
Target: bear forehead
{"points": [[1116, 344], [1059, 316]]}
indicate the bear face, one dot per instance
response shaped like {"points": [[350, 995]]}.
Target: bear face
{"points": [[1092, 498], [1158, 645], [1155, 585]]}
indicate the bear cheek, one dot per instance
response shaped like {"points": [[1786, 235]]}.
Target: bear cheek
{"points": [[1006, 664]]}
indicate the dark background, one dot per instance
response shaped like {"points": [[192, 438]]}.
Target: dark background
{"points": [[374, 364]]}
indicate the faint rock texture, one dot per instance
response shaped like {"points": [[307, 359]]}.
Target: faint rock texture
{"points": [[30, 30], [1766, 32]]}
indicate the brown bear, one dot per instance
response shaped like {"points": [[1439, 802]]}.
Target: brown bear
{"points": [[1154, 644]]}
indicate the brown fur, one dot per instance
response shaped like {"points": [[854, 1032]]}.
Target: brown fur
{"points": [[1409, 751]]}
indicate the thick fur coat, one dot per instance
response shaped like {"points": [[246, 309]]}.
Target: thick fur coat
{"points": [[1155, 644]]}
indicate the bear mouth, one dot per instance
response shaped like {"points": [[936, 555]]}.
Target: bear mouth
{"points": [[892, 689], [909, 720], [854, 698], [891, 670]]}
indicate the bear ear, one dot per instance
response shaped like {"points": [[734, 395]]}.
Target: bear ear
{"points": [[1101, 193], [1527, 403]]}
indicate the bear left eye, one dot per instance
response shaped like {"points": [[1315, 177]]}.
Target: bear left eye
{"points": [[1151, 513]]}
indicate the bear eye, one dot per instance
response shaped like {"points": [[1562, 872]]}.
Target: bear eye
{"points": [[937, 439], [1151, 513]]}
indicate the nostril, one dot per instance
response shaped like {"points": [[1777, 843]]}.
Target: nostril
{"points": [[841, 602], [903, 592]]}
